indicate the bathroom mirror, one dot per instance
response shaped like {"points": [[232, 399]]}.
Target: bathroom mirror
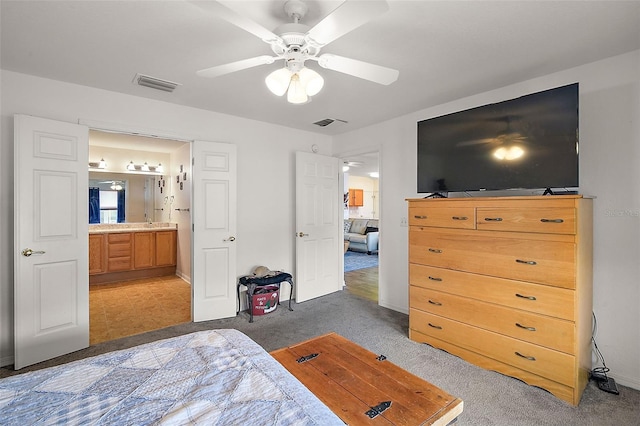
{"points": [[126, 196]]}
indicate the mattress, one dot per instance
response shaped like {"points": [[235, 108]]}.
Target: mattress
{"points": [[215, 377]]}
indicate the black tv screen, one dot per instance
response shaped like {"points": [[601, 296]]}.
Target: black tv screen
{"points": [[530, 142]]}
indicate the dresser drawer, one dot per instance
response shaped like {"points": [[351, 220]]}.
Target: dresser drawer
{"points": [[443, 217], [542, 299], [537, 260], [539, 220], [535, 359], [542, 330]]}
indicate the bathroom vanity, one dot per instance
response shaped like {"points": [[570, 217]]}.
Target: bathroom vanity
{"points": [[120, 252]]}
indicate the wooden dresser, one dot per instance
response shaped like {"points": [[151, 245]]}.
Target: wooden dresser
{"points": [[506, 284]]}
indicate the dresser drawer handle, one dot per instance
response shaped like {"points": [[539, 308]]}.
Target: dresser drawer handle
{"points": [[525, 327], [525, 297], [437, 327], [552, 220], [493, 219], [432, 250], [527, 262], [434, 278], [459, 218], [419, 217], [530, 358], [435, 303]]}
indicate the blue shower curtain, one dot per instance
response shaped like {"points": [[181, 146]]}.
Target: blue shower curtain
{"points": [[94, 205]]}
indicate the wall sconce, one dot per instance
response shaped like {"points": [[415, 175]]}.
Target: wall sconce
{"points": [[98, 164], [144, 167]]}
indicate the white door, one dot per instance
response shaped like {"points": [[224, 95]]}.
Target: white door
{"points": [[214, 230], [51, 222], [318, 224]]}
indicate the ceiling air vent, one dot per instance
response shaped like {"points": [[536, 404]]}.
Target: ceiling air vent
{"points": [[327, 121], [155, 83]]}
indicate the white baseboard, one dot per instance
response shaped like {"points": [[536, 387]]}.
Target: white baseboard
{"points": [[184, 277], [401, 309], [626, 381]]}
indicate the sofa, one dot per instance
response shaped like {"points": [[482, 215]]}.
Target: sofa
{"points": [[362, 235]]}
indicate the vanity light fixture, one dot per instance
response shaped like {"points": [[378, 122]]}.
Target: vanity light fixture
{"points": [[98, 164], [145, 168]]}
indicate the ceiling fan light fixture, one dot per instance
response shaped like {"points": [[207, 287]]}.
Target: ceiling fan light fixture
{"points": [[278, 81], [297, 93], [311, 81]]}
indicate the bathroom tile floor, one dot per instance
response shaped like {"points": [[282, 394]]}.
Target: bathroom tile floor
{"points": [[132, 307]]}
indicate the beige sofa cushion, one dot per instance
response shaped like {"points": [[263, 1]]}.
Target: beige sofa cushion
{"points": [[358, 226]]}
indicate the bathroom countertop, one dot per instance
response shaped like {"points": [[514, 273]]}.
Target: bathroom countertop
{"points": [[105, 228]]}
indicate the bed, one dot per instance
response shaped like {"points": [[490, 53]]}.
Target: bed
{"points": [[215, 377]]}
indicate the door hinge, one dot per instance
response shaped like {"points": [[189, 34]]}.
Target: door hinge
{"points": [[378, 409], [306, 358]]}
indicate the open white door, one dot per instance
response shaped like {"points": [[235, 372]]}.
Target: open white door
{"points": [[214, 228], [51, 222], [318, 222]]}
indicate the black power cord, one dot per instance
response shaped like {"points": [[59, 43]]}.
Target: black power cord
{"points": [[599, 374]]}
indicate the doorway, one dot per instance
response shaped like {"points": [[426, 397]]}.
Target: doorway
{"points": [[362, 204], [124, 308]]}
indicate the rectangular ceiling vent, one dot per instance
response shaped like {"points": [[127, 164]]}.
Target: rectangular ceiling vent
{"points": [[155, 83], [327, 121]]}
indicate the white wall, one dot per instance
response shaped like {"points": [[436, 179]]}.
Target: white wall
{"points": [[182, 200], [609, 170], [266, 174]]}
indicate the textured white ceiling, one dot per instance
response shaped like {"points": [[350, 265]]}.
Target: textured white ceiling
{"points": [[443, 50]]}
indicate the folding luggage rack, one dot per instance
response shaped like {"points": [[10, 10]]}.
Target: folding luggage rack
{"points": [[253, 283]]}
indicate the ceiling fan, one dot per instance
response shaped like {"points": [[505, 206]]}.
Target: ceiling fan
{"points": [[295, 43]]}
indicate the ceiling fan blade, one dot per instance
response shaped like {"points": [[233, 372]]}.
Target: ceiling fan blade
{"points": [[233, 17], [235, 66], [346, 18], [364, 70]]}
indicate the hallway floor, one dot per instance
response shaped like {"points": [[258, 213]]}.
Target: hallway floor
{"points": [[123, 309], [363, 283]]}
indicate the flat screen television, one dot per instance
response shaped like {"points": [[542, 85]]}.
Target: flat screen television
{"points": [[530, 142]]}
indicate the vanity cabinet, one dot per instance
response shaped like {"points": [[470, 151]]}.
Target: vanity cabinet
{"points": [[506, 284], [144, 250], [119, 247], [165, 248], [97, 257], [120, 256]]}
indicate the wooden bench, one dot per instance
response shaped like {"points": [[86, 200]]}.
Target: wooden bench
{"points": [[364, 388]]}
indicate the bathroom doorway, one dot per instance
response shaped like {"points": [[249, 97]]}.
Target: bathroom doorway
{"points": [[124, 308]]}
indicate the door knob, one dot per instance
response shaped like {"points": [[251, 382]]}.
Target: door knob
{"points": [[302, 234], [230, 239], [28, 252]]}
